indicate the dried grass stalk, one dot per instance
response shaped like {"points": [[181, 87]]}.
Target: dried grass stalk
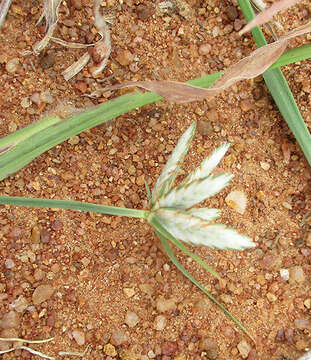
{"points": [[4, 8]]}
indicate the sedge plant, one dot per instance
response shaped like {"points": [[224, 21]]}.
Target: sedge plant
{"points": [[171, 211]]}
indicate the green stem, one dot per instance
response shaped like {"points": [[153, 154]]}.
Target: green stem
{"points": [[73, 205], [280, 91], [172, 257]]}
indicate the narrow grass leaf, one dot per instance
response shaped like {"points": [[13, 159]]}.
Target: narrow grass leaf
{"points": [[148, 191], [170, 170], [172, 257], [280, 91], [267, 15], [72, 205], [19, 156], [190, 194], [190, 229], [208, 164]]}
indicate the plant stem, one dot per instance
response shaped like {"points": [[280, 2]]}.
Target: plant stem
{"points": [[156, 224], [280, 91], [73, 205], [172, 257]]}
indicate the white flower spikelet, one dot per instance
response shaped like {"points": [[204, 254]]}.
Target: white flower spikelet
{"points": [[190, 229], [169, 172], [208, 164], [205, 213], [186, 196], [169, 206]]}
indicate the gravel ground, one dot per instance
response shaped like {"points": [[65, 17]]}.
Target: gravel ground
{"points": [[102, 283]]}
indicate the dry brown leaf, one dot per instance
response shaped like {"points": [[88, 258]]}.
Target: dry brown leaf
{"points": [[286, 151], [268, 14], [76, 67], [50, 11], [251, 66], [71, 45], [103, 47]]}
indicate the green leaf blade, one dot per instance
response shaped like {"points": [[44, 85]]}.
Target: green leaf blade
{"points": [[72, 205], [172, 257]]}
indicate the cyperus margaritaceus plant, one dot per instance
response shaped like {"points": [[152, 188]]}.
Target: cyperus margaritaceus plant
{"points": [[173, 207], [171, 212]]}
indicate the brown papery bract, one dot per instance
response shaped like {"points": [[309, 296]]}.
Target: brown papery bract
{"points": [[250, 67], [268, 14]]}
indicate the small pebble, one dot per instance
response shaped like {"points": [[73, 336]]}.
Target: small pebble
{"points": [[169, 347], [35, 98], [20, 304], [39, 274], [42, 293], [79, 337], [204, 127], [35, 234], [131, 319], [110, 350], [264, 165], [238, 24], [159, 322], [205, 49], [209, 345], [12, 65], [307, 303], [125, 58], [47, 60], [284, 273], [10, 320], [77, 4], [46, 97], [74, 140], [271, 297], [202, 305], [25, 103], [57, 225], [151, 354], [128, 354], [308, 241], [45, 236], [270, 262], [237, 200], [286, 205], [164, 305], [296, 275], [129, 292], [244, 349], [140, 180], [118, 337], [9, 263], [232, 13]]}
